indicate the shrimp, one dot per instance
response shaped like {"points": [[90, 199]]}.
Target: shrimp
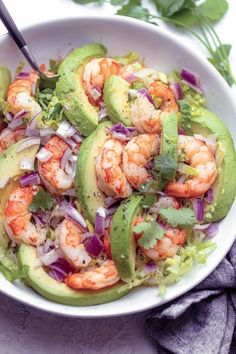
{"points": [[161, 90], [17, 217], [55, 179], [145, 117], [20, 95], [110, 176], [137, 154], [168, 246], [9, 137], [127, 71], [93, 278], [199, 156], [69, 237], [96, 72]]}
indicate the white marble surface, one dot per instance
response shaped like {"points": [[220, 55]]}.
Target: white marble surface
{"points": [[28, 331]]}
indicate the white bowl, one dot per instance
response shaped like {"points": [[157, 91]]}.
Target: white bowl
{"points": [[160, 49]]}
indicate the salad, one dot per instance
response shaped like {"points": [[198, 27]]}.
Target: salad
{"points": [[115, 177]]}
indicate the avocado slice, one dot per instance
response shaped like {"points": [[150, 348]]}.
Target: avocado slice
{"points": [[123, 245], [116, 92], [9, 171], [207, 123], [89, 195], [70, 91], [49, 288]]}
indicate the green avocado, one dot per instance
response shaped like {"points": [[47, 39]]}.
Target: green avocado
{"points": [[123, 245], [207, 123], [9, 171], [70, 91], [88, 193], [116, 92], [5, 80], [51, 289]]}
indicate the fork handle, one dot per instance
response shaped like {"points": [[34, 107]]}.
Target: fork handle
{"points": [[16, 35]]}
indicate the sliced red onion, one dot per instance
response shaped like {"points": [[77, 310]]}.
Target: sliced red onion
{"points": [[56, 266], [201, 227], [191, 79], [48, 246], [120, 132], [181, 131], [27, 164], [144, 92], [16, 123], [94, 246], [46, 131], [108, 221], [177, 90], [77, 138], [31, 132], [75, 215], [28, 143], [71, 143], [30, 179], [150, 267], [45, 139], [44, 155], [210, 195], [22, 75], [65, 157], [95, 93], [212, 230], [102, 113], [70, 168], [198, 207], [20, 114], [41, 217], [3, 181], [70, 192], [130, 78], [51, 257], [65, 130], [111, 211], [56, 275], [100, 221], [111, 202], [181, 179], [9, 116]]}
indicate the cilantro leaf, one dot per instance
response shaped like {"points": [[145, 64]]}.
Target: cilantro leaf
{"points": [[54, 65], [170, 7], [134, 9], [83, 2], [42, 201], [186, 110], [214, 9], [117, 2], [220, 61], [151, 232], [183, 217], [164, 167]]}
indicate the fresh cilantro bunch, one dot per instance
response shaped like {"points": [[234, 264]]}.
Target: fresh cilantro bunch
{"points": [[185, 14]]}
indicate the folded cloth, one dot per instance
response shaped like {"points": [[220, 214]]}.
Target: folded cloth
{"points": [[203, 320]]}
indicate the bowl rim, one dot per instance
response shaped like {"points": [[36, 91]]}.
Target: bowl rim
{"points": [[192, 52]]}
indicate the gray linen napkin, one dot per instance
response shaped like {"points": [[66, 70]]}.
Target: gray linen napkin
{"points": [[203, 320]]}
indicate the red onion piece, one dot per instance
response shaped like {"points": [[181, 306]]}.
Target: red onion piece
{"points": [[177, 90], [46, 131], [181, 131], [212, 230], [144, 92], [65, 157], [111, 211], [102, 113], [150, 267], [210, 195], [120, 132], [94, 246], [48, 246], [30, 179], [191, 79], [100, 221], [27, 164], [44, 155], [198, 206], [58, 276], [111, 202], [77, 138], [9, 116], [75, 216], [22, 75], [63, 129], [20, 114], [16, 123], [50, 257], [95, 93]]}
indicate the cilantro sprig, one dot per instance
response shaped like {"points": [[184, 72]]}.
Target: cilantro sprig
{"points": [[185, 14], [183, 217], [151, 232], [42, 201]]}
